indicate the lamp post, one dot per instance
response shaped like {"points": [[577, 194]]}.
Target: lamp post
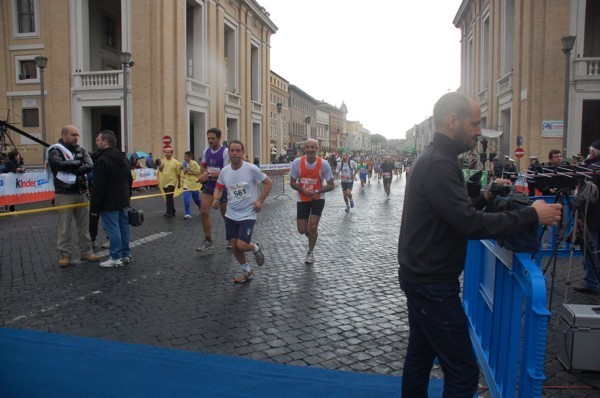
{"points": [[568, 42], [126, 63], [279, 149], [41, 63], [307, 121]]}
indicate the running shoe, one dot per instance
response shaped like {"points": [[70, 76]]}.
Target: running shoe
{"points": [[347, 209], [127, 259], [110, 263], [245, 276], [206, 246], [259, 256], [310, 258], [187, 216], [351, 203]]}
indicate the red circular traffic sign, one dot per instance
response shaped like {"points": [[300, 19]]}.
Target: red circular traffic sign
{"points": [[519, 152], [167, 139], [167, 146]]}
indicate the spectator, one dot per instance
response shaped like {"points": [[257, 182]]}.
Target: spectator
{"points": [[69, 163], [14, 164], [150, 161]]}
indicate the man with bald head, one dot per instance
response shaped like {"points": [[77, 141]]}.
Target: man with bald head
{"points": [[437, 220], [70, 163], [306, 176]]}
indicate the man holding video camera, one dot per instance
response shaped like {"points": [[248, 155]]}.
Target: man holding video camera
{"points": [[591, 282], [437, 220]]}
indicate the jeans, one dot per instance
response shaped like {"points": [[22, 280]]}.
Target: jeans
{"points": [[438, 328], [116, 226], [590, 279], [169, 199], [195, 195]]}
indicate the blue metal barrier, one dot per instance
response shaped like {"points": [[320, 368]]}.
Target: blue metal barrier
{"points": [[504, 296]]}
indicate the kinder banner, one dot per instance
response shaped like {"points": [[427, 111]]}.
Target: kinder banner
{"points": [[18, 188], [144, 177]]}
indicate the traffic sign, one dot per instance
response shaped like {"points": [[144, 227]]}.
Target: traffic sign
{"points": [[167, 146], [519, 152], [167, 139]]}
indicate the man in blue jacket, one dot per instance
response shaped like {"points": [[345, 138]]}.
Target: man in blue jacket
{"points": [[437, 220], [111, 196]]}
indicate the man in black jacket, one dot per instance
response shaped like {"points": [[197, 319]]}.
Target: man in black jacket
{"points": [[111, 196], [69, 164], [437, 220], [591, 280]]}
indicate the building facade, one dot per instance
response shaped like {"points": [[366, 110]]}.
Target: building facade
{"points": [[303, 112], [279, 112], [193, 65], [337, 124], [513, 64]]}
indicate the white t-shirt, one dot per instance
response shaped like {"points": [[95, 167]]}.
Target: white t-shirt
{"points": [[242, 190], [347, 170], [325, 173]]}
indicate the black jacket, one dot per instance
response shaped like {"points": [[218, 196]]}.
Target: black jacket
{"points": [[439, 217], [112, 181], [80, 165], [593, 209]]}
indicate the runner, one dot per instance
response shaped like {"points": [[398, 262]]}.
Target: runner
{"points": [[347, 173], [306, 176], [369, 169], [362, 173], [215, 157], [240, 180], [387, 168]]}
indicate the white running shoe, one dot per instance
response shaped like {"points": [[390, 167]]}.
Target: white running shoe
{"points": [[110, 263]]}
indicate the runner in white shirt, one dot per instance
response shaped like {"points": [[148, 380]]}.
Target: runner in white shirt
{"points": [[240, 180], [346, 169]]}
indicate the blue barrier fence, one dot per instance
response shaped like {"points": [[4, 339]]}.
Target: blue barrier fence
{"points": [[504, 297]]}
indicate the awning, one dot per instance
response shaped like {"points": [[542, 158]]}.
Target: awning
{"points": [[487, 133]]}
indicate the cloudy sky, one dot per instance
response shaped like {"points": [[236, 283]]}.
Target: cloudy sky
{"points": [[388, 61]]}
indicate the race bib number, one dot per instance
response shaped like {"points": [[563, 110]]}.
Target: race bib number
{"points": [[237, 192], [214, 170], [387, 174], [308, 182]]}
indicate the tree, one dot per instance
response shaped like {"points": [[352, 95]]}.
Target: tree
{"points": [[377, 139]]}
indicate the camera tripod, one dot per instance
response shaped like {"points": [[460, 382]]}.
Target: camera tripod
{"points": [[562, 232]]}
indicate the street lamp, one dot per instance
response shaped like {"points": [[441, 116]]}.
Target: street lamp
{"points": [[279, 149], [568, 42], [41, 63], [307, 121], [126, 63]]}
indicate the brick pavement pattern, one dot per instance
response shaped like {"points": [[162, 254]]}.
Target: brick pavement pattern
{"points": [[345, 312]]}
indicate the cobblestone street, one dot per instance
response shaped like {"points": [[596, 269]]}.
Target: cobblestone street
{"points": [[345, 312]]}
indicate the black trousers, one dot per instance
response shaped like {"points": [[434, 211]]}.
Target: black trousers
{"points": [[170, 201]]}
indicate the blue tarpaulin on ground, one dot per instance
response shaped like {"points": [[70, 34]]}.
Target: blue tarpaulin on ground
{"points": [[35, 364]]}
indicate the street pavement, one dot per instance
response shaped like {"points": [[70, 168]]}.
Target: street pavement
{"points": [[345, 312]]}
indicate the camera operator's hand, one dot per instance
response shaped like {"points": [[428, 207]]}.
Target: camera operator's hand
{"points": [[548, 213]]}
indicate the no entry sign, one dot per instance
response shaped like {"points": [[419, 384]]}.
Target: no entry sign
{"points": [[519, 152], [166, 139]]}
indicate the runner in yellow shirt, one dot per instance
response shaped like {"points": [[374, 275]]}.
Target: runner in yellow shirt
{"points": [[170, 170], [191, 185]]}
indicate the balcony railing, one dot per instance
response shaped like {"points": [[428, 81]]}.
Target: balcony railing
{"points": [[233, 99], [107, 79], [482, 96], [257, 107], [196, 88], [505, 83], [587, 68]]}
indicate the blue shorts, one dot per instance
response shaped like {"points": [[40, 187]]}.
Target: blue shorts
{"points": [[362, 176], [240, 230], [210, 190]]}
